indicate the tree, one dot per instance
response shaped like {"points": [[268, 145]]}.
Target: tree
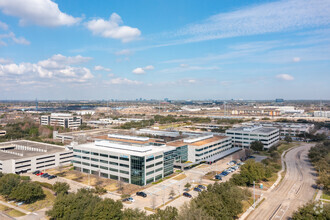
{"points": [[105, 209], [221, 201], [60, 187], [169, 213], [189, 211], [132, 214], [312, 211], [188, 185], [288, 139], [8, 182], [28, 192], [257, 146], [250, 171]]}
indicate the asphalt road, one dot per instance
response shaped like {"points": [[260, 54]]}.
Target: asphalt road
{"points": [[295, 190]]}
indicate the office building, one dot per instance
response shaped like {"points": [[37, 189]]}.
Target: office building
{"points": [[62, 120], [322, 114], [135, 160], [205, 147], [244, 136], [286, 129], [28, 156], [3, 132]]}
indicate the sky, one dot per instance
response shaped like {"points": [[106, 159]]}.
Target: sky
{"points": [[123, 49]]}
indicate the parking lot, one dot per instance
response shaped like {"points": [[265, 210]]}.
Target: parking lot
{"points": [[158, 195]]}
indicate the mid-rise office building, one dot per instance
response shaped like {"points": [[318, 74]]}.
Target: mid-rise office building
{"points": [[28, 156], [62, 120], [135, 160], [206, 147], [243, 136], [322, 114], [286, 129]]}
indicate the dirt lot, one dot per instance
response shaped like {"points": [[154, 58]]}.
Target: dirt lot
{"points": [[93, 180]]}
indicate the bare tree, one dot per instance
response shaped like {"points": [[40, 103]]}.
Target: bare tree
{"points": [[172, 193]]}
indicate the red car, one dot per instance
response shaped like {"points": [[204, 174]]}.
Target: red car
{"points": [[39, 174]]}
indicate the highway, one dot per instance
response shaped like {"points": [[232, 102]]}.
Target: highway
{"points": [[294, 191]]}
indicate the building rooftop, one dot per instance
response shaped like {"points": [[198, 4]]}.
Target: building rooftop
{"points": [[254, 129], [23, 149], [124, 148], [207, 140], [127, 139]]}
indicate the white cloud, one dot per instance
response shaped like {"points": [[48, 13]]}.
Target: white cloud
{"points": [[150, 67], [192, 81], [296, 59], [111, 28], [12, 36], [185, 67], [285, 77], [125, 52], [139, 70], [123, 81], [39, 12], [142, 70], [57, 67], [5, 61], [101, 68], [3, 26], [260, 19]]}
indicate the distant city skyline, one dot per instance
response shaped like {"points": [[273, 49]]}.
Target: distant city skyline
{"points": [[198, 50]]}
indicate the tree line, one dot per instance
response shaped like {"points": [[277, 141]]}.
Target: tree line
{"points": [[20, 189]]}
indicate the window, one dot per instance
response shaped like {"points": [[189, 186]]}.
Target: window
{"points": [[113, 157], [93, 165], [104, 161], [113, 177], [123, 171], [159, 156], [113, 163], [151, 172], [86, 164], [104, 168], [151, 165], [114, 170], [150, 158], [104, 155], [159, 169], [161, 162], [76, 150], [125, 158], [96, 154], [124, 165], [86, 152], [93, 159]]}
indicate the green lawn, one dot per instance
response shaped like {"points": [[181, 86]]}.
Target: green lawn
{"points": [[325, 196], [10, 211], [285, 146]]}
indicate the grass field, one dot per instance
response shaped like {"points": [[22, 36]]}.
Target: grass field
{"points": [[10, 211], [325, 196], [285, 146], [180, 177]]}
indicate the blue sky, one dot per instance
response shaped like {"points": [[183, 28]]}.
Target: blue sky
{"points": [[121, 49]]}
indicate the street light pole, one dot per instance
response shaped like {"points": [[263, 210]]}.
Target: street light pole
{"points": [[254, 194]]}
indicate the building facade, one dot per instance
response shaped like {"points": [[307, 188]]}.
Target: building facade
{"points": [[62, 120], [206, 147], [125, 158], [29, 156], [243, 136]]}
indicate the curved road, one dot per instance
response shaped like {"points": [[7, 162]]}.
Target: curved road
{"points": [[294, 191]]}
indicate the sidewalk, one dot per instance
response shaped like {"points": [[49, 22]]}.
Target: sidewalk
{"points": [[14, 207]]}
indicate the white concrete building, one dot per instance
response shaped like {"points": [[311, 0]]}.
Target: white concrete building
{"points": [[290, 129], [3, 132], [206, 147], [135, 160], [62, 120], [28, 156], [322, 114], [244, 136]]}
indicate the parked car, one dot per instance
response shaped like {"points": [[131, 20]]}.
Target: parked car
{"points": [[52, 177], [45, 175], [187, 195], [218, 177], [143, 194], [197, 189], [36, 172], [201, 187], [39, 174], [130, 199]]}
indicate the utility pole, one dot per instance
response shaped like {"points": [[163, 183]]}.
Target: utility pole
{"points": [[254, 194]]}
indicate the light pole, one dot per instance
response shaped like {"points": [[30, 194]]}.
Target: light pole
{"points": [[254, 194]]}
